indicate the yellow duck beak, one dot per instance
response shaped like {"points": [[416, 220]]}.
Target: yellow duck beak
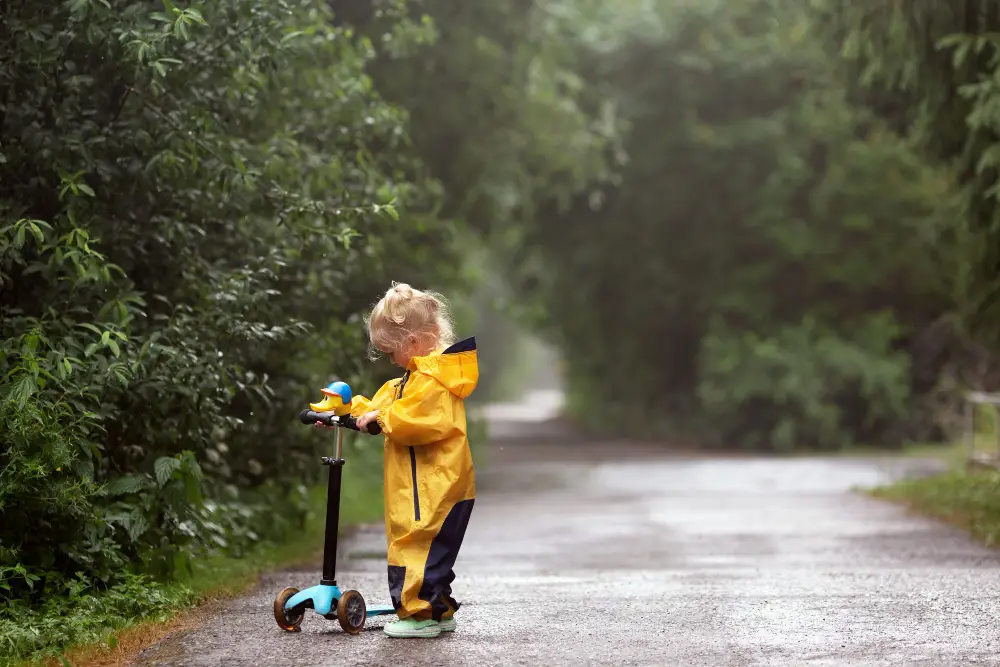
{"points": [[334, 404], [338, 399]]}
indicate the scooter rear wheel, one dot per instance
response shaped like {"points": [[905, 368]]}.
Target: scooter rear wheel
{"points": [[286, 621], [352, 612]]}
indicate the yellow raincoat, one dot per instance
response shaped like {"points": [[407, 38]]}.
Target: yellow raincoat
{"points": [[430, 484]]}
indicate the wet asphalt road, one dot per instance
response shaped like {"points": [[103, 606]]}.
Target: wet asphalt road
{"points": [[628, 557]]}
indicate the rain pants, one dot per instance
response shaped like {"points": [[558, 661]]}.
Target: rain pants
{"points": [[430, 484]]}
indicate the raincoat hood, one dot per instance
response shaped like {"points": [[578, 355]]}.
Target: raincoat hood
{"points": [[457, 367]]}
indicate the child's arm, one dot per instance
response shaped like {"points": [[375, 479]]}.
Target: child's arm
{"points": [[360, 405], [425, 413]]}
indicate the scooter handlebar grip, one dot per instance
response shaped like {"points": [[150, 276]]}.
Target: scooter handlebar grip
{"points": [[330, 419], [324, 418], [347, 421]]}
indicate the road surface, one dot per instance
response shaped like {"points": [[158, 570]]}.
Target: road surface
{"points": [[624, 556]]}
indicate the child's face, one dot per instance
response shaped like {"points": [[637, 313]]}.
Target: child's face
{"points": [[401, 357], [413, 347]]}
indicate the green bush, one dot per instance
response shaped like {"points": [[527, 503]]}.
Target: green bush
{"points": [[928, 70], [663, 183], [755, 197], [78, 615], [970, 500], [197, 205], [794, 388]]}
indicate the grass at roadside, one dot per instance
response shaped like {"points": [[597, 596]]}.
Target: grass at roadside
{"points": [[109, 629], [969, 500], [951, 454]]}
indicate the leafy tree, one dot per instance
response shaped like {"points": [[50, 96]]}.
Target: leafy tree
{"points": [[197, 204], [929, 69], [763, 268], [718, 231]]}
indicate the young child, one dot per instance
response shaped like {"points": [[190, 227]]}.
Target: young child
{"points": [[430, 483]]}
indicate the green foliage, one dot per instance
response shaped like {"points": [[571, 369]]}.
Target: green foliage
{"points": [[802, 385], [968, 500], [768, 241], [198, 202], [690, 201], [81, 616], [931, 69], [499, 112], [722, 213]]}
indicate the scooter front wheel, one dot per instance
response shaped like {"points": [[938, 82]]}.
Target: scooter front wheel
{"points": [[352, 612], [287, 621]]}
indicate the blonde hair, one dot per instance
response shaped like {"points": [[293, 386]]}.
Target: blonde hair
{"points": [[404, 312]]}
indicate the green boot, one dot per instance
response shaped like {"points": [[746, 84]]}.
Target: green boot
{"points": [[447, 624], [410, 627]]}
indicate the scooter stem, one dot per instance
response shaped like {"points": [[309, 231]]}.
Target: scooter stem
{"points": [[332, 514]]}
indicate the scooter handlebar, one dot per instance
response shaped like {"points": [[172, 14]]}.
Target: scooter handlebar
{"points": [[330, 419]]}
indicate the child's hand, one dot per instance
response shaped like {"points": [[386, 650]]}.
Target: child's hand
{"points": [[366, 419]]}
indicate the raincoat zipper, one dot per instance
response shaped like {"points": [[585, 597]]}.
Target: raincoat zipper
{"points": [[416, 494], [413, 457]]}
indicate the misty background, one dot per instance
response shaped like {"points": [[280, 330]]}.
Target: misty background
{"points": [[764, 226]]}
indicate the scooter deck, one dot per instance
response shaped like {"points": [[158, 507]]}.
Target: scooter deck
{"points": [[380, 610], [323, 600]]}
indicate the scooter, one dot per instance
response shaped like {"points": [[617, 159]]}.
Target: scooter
{"points": [[326, 599]]}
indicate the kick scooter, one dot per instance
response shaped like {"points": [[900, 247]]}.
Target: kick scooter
{"points": [[326, 599]]}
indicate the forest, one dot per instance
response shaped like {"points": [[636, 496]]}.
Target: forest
{"points": [[760, 225]]}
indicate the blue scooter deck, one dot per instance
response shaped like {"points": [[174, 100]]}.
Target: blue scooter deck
{"points": [[380, 610], [324, 601]]}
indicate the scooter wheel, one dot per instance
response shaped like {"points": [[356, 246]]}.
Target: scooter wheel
{"points": [[287, 621], [352, 612]]}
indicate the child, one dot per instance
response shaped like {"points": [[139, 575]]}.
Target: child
{"points": [[430, 483]]}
